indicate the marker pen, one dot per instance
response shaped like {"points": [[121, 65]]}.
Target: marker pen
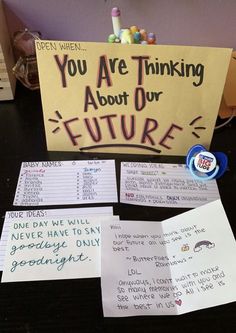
{"points": [[115, 14]]}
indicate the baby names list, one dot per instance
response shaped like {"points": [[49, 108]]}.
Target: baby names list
{"points": [[66, 182]]}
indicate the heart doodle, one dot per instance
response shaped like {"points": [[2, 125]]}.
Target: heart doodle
{"points": [[178, 302]]}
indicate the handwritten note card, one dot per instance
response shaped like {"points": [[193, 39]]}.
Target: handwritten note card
{"points": [[19, 216], [177, 266], [57, 247], [164, 185], [66, 182]]}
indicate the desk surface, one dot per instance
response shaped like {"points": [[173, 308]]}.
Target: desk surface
{"points": [[76, 305]]}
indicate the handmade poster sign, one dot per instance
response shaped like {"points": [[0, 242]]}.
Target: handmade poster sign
{"points": [[141, 99], [172, 267]]}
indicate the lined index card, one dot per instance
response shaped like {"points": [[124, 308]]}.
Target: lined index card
{"points": [[34, 215], [66, 182], [164, 185]]}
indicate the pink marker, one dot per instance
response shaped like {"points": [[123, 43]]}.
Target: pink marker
{"points": [[115, 14]]}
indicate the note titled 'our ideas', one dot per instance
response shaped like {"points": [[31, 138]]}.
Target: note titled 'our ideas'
{"points": [[168, 268], [53, 248]]}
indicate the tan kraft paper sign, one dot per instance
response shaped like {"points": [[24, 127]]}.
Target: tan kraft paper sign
{"points": [[140, 99]]}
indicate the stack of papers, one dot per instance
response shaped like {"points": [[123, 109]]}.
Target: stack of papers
{"points": [[161, 268], [171, 267]]}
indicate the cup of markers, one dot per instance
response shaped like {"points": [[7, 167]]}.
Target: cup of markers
{"points": [[132, 35]]}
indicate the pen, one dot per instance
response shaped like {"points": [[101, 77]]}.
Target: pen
{"points": [[115, 14]]}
